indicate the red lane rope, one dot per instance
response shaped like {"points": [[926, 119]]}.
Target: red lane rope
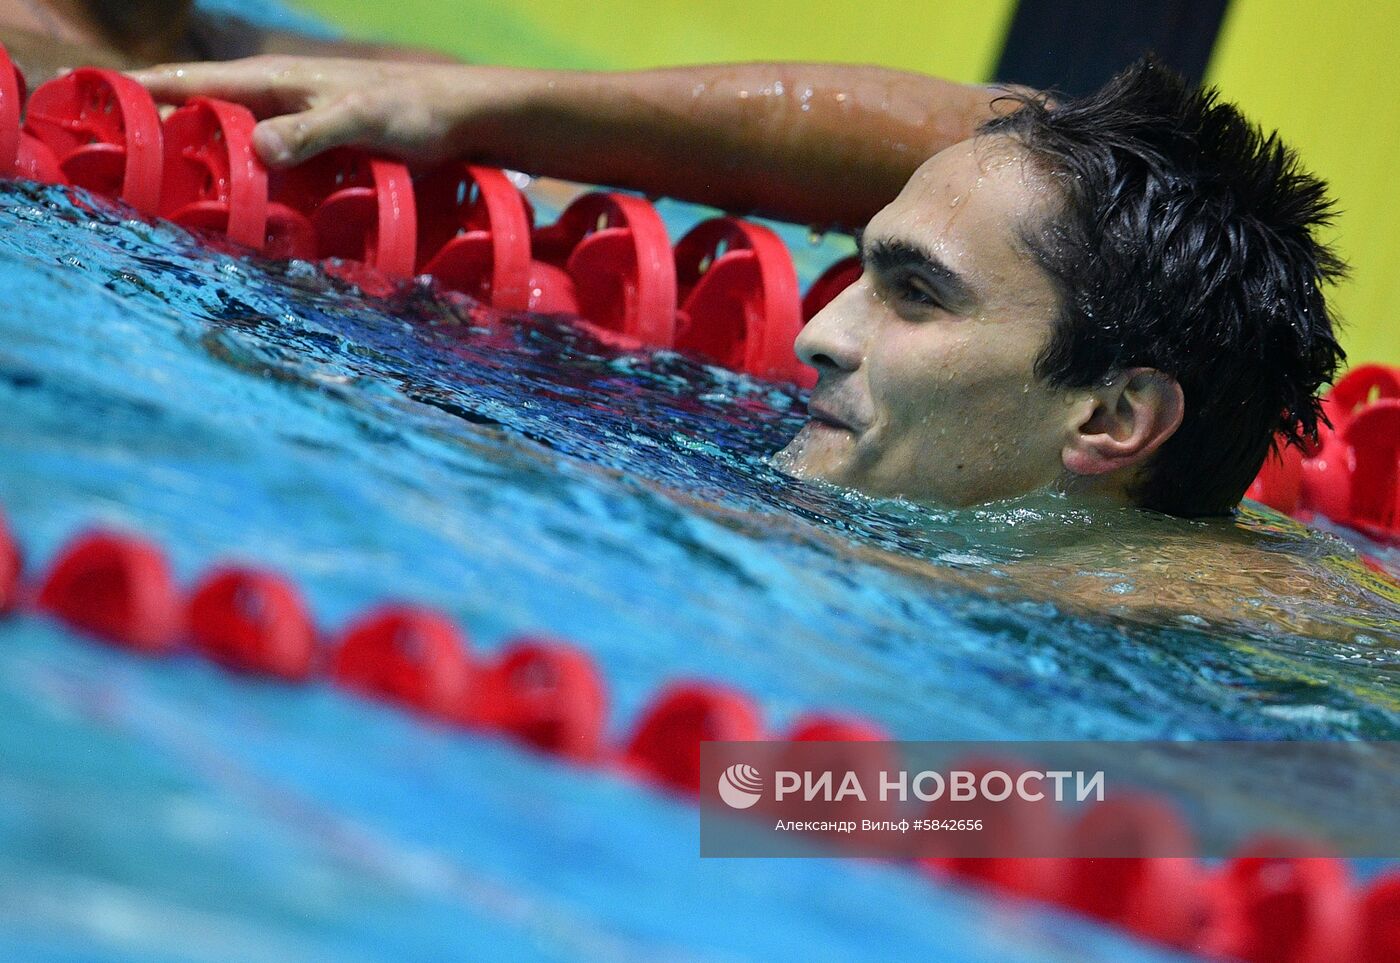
{"points": [[832, 282], [105, 131], [548, 695], [1352, 475], [607, 259], [213, 181]]}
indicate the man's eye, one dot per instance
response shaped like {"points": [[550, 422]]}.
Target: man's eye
{"points": [[916, 290]]}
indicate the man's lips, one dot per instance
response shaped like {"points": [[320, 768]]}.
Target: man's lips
{"points": [[819, 412]]}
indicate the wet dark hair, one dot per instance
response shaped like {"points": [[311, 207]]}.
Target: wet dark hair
{"points": [[1185, 242]]}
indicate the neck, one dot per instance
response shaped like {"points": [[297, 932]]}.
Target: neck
{"points": [[1109, 490]]}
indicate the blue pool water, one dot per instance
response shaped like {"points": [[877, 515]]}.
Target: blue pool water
{"points": [[519, 477]]}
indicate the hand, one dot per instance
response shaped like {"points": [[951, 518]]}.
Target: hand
{"points": [[417, 112]]}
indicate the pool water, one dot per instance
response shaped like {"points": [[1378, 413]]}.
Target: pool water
{"points": [[522, 478]]}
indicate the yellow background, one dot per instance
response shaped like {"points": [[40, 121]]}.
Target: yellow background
{"points": [[1327, 75]]}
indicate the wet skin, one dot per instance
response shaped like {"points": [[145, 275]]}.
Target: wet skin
{"points": [[927, 388]]}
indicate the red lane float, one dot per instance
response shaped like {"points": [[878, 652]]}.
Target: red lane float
{"points": [[1158, 896], [105, 132], [11, 109], [253, 621], [613, 261], [474, 236], [118, 588], [1326, 483], [361, 206], [832, 282], [1358, 388], [1279, 483], [412, 656], [740, 306], [10, 565], [1373, 441], [21, 154], [37, 162], [213, 179], [1352, 475], [546, 694], [1380, 920], [665, 746], [1296, 909]]}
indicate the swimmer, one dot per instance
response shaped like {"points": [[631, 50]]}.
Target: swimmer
{"points": [[45, 36], [1118, 299]]}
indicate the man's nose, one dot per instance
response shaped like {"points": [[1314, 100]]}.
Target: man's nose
{"points": [[832, 340]]}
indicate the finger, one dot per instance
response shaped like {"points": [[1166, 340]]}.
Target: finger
{"points": [[258, 85], [288, 140]]}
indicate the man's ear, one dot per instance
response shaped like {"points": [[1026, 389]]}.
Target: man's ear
{"points": [[1127, 419]]}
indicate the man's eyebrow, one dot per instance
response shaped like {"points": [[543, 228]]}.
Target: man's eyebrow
{"points": [[884, 255]]}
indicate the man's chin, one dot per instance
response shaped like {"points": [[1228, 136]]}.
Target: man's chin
{"points": [[818, 452]]}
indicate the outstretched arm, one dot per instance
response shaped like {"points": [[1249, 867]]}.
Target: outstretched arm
{"points": [[826, 145]]}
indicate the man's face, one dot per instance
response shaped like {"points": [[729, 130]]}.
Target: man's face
{"points": [[926, 387]]}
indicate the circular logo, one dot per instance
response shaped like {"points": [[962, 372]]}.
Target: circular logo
{"points": [[740, 786]]}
